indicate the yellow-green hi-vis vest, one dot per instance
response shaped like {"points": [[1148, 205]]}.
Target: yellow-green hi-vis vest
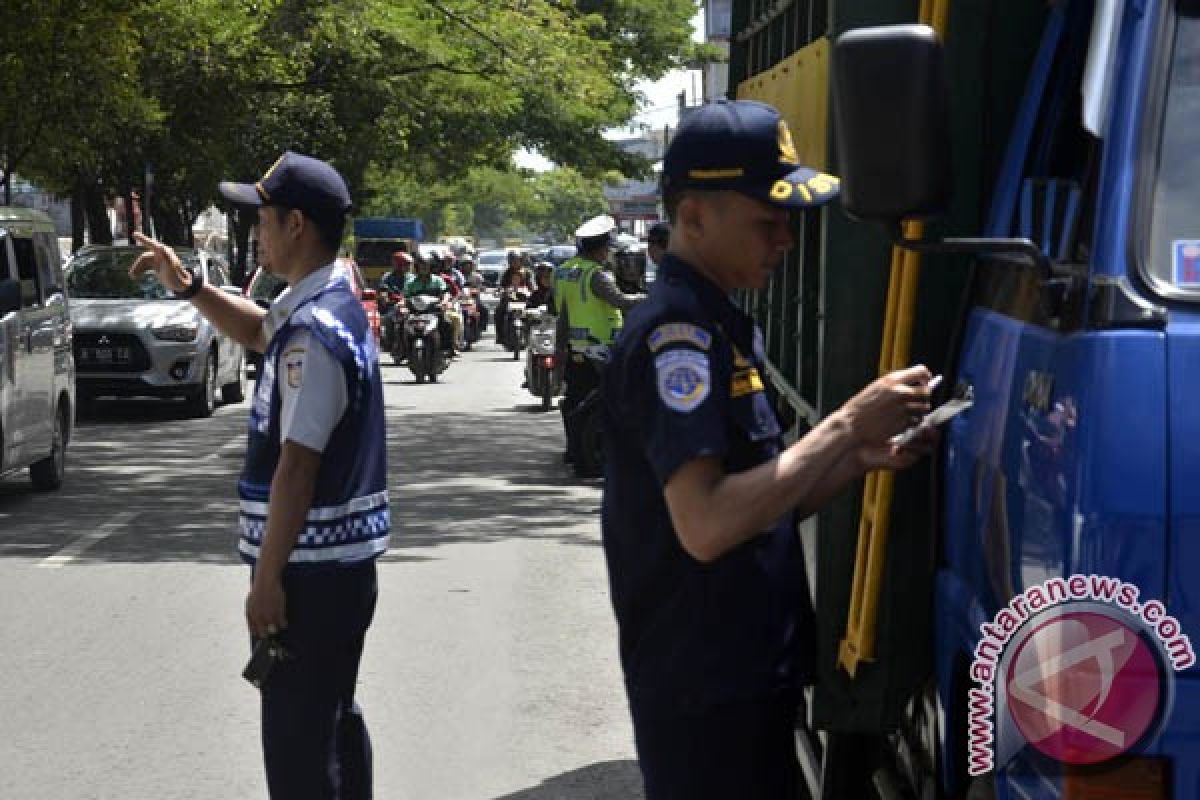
{"points": [[593, 321]]}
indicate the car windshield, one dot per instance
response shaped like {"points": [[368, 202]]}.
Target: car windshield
{"points": [[104, 274], [561, 253], [1174, 244], [494, 259]]}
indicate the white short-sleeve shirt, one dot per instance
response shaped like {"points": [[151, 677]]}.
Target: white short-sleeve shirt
{"points": [[312, 384]]}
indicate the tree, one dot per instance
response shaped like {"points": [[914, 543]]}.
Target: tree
{"points": [[426, 92]]}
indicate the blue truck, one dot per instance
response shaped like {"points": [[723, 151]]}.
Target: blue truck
{"points": [[1015, 623]]}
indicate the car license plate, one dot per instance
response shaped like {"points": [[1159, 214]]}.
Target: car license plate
{"points": [[107, 355]]}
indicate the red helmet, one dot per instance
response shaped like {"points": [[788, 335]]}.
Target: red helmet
{"points": [[401, 259]]}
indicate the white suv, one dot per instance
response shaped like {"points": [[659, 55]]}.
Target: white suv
{"points": [[37, 370]]}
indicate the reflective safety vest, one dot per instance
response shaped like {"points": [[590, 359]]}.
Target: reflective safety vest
{"points": [[593, 321]]}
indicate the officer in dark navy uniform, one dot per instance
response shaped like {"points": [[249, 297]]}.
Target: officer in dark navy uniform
{"points": [[701, 496]]}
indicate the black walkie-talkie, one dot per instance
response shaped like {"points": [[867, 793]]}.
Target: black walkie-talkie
{"points": [[268, 651]]}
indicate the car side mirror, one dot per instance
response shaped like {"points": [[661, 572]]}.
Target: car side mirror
{"points": [[891, 122], [10, 296]]}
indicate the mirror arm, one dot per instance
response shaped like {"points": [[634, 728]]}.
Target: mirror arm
{"points": [[976, 246]]}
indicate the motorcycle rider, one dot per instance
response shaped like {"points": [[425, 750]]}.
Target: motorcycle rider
{"points": [[454, 282], [394, 281], [474, 280], [513, 283], [543, 295], [589, 313], [424, 282], [401, 272]]}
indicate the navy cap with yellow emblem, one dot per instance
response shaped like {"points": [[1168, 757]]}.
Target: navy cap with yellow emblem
{"points": [[743, 146], [296, 181]]}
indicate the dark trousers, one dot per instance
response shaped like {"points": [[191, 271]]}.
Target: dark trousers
{"points": [[580, 378], [743, 750], [315, 742]]}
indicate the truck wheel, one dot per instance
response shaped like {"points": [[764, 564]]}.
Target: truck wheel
{"points": [[48, 474], [235, 392]]}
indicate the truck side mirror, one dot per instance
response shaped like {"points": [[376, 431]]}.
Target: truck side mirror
{"points": [[10, 296], [891, 122]]}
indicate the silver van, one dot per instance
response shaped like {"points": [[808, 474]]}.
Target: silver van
{"points": [[37, 369]]}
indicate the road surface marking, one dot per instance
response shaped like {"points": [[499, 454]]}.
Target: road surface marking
{"points": [[85, 542]]}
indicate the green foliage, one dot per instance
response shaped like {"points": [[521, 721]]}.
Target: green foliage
{"points": [[491, 203], [413, 100]]}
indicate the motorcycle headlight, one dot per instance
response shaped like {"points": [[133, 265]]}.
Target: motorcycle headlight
{"points": [[177, 333]]}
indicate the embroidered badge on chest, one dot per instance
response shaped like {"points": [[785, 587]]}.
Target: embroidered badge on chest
{"points": [[683, 379], [678, 333]]}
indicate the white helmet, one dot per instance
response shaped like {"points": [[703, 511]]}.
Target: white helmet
{"points": [[596, 226]]}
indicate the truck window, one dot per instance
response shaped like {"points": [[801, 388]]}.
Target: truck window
{"points": [[1173, 257], [1056, 203], [27, 272]]}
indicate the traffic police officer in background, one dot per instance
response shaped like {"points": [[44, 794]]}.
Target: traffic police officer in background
{"points": [[314, 504], [589, 314], [701, 497]]}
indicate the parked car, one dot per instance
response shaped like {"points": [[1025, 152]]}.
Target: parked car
{"points": [[37, 371], [263, 287], [135, 338]]}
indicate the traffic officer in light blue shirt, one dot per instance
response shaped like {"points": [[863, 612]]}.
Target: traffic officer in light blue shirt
{"points": [[313, 493], [701, 496]]}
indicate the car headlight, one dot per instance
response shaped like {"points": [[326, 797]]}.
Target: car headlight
{"points": [[177, 333]]}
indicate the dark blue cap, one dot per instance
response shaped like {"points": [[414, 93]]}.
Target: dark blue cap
{"points": [[295, 181], [744, 146]]}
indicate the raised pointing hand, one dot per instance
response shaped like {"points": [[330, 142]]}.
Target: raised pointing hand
{"points": [[162, 261]]}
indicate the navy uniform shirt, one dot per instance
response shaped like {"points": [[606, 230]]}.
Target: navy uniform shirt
{"points": [[686, 382]]}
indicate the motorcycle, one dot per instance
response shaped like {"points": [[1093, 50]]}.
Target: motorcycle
{"points": [[472, 318], [589, 461], [387, 301], [422, 339], [543, 373], [516, 327]]}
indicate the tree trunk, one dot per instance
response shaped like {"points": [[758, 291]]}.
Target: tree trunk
{"points": [[96, 213], [78, 216], [130, 218], [171, 228], [244, 223]]}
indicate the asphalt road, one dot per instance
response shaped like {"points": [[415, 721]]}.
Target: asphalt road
{"points": [[490, 671]]}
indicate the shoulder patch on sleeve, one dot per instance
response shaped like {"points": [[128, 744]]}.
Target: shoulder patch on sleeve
{"points": [[683, 379], [294, 362], [678, 332]]}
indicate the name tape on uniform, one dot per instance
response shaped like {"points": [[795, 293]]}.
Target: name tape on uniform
{"points": [[683, 378], [678, 332]]}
